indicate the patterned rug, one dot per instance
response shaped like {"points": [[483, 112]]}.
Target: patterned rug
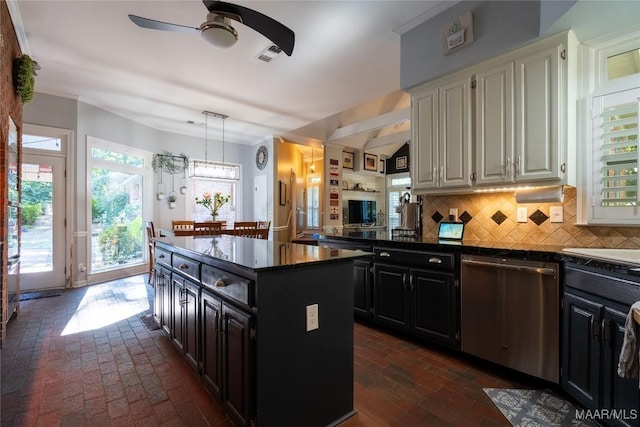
{"points": [[535, 408], [24, 296]]}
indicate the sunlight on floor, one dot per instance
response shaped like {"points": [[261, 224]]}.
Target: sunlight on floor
{"points": [[108, 303]]}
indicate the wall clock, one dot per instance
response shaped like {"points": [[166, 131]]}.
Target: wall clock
{"points": [[262, 155]]}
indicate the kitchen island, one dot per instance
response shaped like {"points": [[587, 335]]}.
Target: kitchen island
{"points": [[267, 326]]}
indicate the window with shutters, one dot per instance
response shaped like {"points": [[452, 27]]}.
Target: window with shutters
{"points": [[613, 157]]}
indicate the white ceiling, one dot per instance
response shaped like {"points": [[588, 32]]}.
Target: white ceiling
{"points": [[346, 55]]}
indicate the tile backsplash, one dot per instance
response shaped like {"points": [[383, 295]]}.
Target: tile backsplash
{"points": [[492, 217]]}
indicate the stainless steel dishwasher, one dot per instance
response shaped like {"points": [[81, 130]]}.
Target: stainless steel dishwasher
{"points": [[509, 313]]}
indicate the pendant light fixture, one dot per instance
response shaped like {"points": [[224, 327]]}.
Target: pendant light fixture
{"points": [[213, 170], [312, 168]]}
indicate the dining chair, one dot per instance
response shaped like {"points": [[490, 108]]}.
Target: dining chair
{"points": [[151, 233], [207, 228], [263, 229], [182, 228], [245, 228]]}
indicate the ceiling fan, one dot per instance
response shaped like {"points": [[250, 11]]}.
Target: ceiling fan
{"points": [[217, 29]]}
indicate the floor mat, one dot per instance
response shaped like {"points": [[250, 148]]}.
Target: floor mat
{"points": [[149, 322], [24, 296], [533, 408]]}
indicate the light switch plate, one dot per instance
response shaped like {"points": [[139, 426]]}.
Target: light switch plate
{"points": [[556, 214], [522, 214], [312, 317]]}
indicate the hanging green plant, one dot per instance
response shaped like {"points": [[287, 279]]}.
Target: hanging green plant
{"points": [[24, 81], [170, 162]]}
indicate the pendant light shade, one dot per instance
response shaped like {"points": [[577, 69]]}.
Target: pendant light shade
{"points": [[213, 170], [312, 168]]}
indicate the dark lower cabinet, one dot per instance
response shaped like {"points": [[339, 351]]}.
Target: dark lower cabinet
{"points": [[210, 363], [227, 356], [593, 333], [162, 298], [391, 302], [435, 307], [237, 364], [422, 302], [581, 352], [362, 302], [185, 318]]}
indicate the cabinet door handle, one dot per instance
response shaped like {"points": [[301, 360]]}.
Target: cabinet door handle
{"points": [[411, 282], [434, 175], [517, 168], [161, 256], [435, 260], [183, 266], [404, 281], [220, 283], [508, 168], [385, 254], [441, 178]]}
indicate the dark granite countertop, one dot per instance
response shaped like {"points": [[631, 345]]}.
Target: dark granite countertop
{"points": [[496, 249], [255, 254]]}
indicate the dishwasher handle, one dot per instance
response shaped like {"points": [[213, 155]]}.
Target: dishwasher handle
{"points": [[523, 268]]}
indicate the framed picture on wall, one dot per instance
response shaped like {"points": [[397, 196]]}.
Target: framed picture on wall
{"points": [[347, 160], [283, 194], [370, 162], [401, 162]]}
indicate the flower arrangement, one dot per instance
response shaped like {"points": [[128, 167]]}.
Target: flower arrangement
{"points": [[213, 204]]}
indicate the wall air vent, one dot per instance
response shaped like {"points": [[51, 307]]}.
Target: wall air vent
{"points": [[269, 53]]}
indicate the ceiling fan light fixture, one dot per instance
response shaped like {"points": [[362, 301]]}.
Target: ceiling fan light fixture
{"points": [[218, 32]]}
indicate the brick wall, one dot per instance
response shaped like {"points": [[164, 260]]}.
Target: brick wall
{"points": [[492, 218], [11, 106]]}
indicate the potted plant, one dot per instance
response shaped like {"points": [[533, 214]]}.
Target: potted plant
{"points": [[24, 69], [172, 200]]}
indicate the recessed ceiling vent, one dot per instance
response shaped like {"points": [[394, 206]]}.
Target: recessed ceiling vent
{"points": [[269, 53]]}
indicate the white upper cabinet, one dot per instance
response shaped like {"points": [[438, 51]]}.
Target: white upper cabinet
{"points": [[521, 115], [539, 116], [495, 125], [441, 128]]}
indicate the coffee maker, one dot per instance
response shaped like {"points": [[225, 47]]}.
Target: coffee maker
{"points": [[410, 213]]}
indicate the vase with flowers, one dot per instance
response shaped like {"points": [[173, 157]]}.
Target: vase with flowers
{"points": [[213, 203]]}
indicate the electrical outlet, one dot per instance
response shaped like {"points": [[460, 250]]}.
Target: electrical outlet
{"points": [[312, 317], [556, 214], [522, 214]]}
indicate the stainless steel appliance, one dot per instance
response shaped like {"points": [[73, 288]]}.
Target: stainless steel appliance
{"points": [[510, 313]]}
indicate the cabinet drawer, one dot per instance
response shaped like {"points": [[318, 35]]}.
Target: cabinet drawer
{"points": [[186, 266], [236, 287], [162, 257], [431, 260]]}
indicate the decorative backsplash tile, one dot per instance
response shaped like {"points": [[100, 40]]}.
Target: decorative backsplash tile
{"points": [[498, 217], [538, 217], [465, 217], [480, 226], [436, 217]]}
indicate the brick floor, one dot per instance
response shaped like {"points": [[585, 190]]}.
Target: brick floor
{"points": [[85, 358]]}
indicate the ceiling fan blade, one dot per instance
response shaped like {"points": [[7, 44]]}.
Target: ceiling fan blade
{"points": [[278, 33], [163, 26]]}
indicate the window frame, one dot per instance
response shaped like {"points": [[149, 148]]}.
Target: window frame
{"points": [[595, 84]]}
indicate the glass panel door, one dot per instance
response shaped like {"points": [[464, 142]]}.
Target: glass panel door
{"points": [[42, 258]]}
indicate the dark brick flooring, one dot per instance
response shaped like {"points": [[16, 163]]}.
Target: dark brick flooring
{"points": [[85, 358]]}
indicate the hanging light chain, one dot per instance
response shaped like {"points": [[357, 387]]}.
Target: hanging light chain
{"points": [[206, 116]]}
